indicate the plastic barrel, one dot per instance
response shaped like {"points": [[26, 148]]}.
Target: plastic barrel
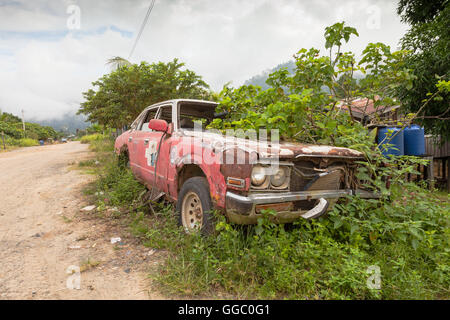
{"points": [[414, 140], [397, 143]]}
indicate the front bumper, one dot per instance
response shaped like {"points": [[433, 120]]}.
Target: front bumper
{"points": [[242, 209]]}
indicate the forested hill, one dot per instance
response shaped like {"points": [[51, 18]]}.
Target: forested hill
{"points": [[260, 79], [68, 123]]}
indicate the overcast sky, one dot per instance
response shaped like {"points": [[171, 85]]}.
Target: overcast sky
{"points": [[48, 56]]}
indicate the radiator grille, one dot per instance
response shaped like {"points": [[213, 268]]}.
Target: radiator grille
{"points": [[329, 181], [305, 176]]}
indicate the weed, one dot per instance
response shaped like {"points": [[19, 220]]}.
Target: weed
{"points": [[92, 137], [88, 264], [66, 220]]}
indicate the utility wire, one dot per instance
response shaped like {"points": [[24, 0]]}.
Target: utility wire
{"points": [[142, 27]]}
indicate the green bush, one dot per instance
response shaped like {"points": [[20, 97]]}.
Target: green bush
{"points": [[92, 137], [27, 142], [24, 142], [116, 186]]}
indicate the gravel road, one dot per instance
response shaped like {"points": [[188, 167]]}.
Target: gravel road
{"points": [[43, 233]]}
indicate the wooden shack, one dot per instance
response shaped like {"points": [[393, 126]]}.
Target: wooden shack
{"points": [[441, 157]]}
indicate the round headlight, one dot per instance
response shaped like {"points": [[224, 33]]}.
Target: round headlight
{"points": [[258, 175], [279, 178]]}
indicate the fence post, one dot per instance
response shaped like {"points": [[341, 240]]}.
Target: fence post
{"points": [[3, 138], [430, 172]]}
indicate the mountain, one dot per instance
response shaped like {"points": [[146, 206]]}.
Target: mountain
{"points": [[68, 123], [260, 79]]}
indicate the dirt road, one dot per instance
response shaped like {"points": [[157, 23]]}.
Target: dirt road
{"points": [[43, 233]]}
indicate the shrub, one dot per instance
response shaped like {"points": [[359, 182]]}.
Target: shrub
{"points": [[25, 142], [92, 137]]}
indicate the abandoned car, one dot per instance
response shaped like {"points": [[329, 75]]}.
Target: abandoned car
{"points": [[168, 150]]}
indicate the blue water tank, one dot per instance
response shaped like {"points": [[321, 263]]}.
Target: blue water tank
{"points": [[397, 143], [414, 140]]}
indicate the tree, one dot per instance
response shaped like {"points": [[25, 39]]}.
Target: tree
{"points": [[302, 104], [428, 44], [121, 95], [420, 11], [118, 62]]}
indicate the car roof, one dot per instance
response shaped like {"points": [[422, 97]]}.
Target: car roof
{"points": [[176, 101]]}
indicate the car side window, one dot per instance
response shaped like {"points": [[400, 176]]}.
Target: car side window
{"points": [[146, 119], [165, 113]]}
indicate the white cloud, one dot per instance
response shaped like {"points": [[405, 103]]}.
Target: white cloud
{"points": [[45, 68]]}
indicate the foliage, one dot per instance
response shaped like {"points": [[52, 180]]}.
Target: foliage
{"points": [[420, 11], [92, 137], [428, 44], [11, 126], [118, 187], [23, 142], [303, 104], [121, 95]]}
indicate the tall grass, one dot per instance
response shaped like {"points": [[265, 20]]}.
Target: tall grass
{"points": [[92, 137], [23, 142]]}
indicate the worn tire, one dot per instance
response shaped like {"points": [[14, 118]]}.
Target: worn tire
{"points": [[196, 186]]}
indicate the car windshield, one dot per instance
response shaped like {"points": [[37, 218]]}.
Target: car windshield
{"points": [[195, 112]]}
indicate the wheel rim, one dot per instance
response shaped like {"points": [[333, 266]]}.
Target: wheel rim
{"points": [[192, 212]]}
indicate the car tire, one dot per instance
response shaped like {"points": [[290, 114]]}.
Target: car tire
{"points": [[194, 206]]}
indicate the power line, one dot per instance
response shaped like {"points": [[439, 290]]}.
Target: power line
{"points": [[142, 27]]}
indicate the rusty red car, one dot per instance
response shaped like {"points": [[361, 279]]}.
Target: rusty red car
{"points": [[169, 150]]}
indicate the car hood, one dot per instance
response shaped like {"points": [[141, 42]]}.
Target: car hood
{"points": [[283, 150]]}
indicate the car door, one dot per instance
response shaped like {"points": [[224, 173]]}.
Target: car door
{"points": [[132, 149], [154, 155], [136, 143]]}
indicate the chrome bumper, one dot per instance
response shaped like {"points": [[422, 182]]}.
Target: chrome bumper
{"points": [[242, 208], [262, 198]]}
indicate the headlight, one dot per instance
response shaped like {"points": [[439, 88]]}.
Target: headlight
{"points": [[258, 175], [279, 178]]}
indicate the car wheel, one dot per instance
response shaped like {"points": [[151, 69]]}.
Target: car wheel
{"points": [[194, 206]]}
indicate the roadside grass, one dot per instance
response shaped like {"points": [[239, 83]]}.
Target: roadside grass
{"points": [[92, 137], [26, 142], [332, 257], [12, 144]]}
